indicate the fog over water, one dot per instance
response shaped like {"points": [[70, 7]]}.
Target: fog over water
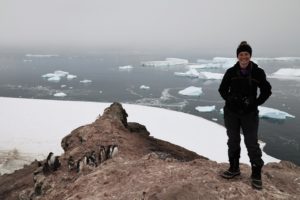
{"points": [[214, 26]]}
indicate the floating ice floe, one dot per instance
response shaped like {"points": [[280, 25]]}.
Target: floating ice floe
{"points": [[216, 62], [210, 75], [54, 79], [277, 59], [126, 68], [71, 76], [40, 55], [57, 75], [271, 113], [167, 62], [144, 87], [191, 91], [60, 94], [205, 108], [27, 60], [193, 73], [85, 81], [286, 73]]}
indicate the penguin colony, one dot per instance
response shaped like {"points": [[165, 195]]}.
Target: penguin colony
{"points": [[93, 158]]}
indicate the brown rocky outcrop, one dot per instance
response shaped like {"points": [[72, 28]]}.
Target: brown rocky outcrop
{"points": [[143, 168]]}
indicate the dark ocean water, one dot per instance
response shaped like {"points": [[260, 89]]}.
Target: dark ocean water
{"points": [[20, 76]]}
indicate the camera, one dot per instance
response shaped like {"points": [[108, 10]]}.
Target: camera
{"points": [[246, 101]]}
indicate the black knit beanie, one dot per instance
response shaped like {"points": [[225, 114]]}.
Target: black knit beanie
{"points": [[244, 46]]}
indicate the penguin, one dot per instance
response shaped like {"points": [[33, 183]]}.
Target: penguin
{"points": [[92, 159], [56, 163], [102, 154], [79, 165], [50, 159], [112, 150], [52, 162], [115, 151], [71, 163]]}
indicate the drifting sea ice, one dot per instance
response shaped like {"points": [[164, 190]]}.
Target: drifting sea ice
{"points": [[60, 94], [205, 108], [167, 62], [57, 75], [217, 62], [125, 68], [271, 113], [193, 73], [144, 87], [40, 55], [286, 73], [191, 91], [70, 76], [85, 81]]}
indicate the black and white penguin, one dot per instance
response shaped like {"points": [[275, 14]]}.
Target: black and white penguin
{"points": [[52, 162], [56, 163], [112, 150], [71, 163], [102, 154], [91, 158], [50, 159], [79, 165]]}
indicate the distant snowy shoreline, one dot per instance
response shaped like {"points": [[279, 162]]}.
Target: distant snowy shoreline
{"points": [[32, 128]]}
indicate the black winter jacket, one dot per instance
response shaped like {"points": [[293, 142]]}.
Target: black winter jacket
{"points": [[240, 91]]}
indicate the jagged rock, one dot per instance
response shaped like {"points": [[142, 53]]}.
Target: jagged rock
{"points": [[144, 168]]}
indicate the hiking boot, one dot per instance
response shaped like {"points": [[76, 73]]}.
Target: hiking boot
{"points": [[256, 181], [230, 173], [234, 169]]}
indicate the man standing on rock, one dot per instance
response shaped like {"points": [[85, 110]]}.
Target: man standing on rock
{"points": [[239, 90]]}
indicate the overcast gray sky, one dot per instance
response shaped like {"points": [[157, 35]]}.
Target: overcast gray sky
{"points": [[268, 25]]}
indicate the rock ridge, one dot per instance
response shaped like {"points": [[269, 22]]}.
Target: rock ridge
{"points": [[115, 159]]}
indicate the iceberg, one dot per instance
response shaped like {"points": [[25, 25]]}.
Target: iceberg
{"points": [[193, 73], [85, 81], [144, 87], [205, 108], [266, 112], [70, 76], [40, 55], [286, 59], [60, 94], [191, 91], [126, 68], [286, 73], [54, 79], [217, 62], [270, 113], [57, 75], [210, 75], [61, 73], [167, 62]]}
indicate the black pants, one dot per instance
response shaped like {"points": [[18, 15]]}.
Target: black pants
{"points": [[249, 124]]}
